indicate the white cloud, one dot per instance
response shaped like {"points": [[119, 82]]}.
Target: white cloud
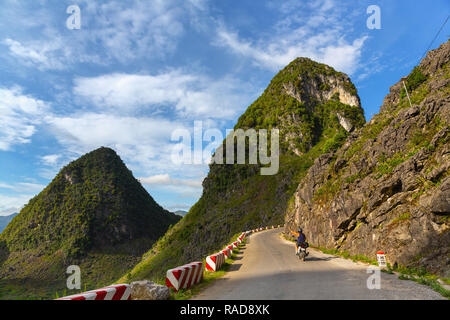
{"points": [[143, 142], [165, 179], [51, 159], [23, 187], [43, 55], [293, 6], [19, 115], [128, 91], [90, 130], [185, 94], [13, 203]]}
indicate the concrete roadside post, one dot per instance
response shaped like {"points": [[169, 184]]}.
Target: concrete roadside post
{"points": [[381, 259]]}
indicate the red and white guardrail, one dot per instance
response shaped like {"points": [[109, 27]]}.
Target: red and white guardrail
{"points": [[227, 252], [113, 292], [185, 276], [214, 261]]}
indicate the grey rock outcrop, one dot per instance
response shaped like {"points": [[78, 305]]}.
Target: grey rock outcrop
{"points": [[311, 90], [148, 290], [323, 88], [345, 123]]}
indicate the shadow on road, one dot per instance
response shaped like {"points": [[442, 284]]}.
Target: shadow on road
{"points": [[320, 259], [234, 267]]}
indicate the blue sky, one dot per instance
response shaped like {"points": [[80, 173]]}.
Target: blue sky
{"points": [[138, 70]]}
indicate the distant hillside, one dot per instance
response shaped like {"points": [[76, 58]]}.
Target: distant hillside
{"points": [[94, 214], [5, 220], [315, 108]]}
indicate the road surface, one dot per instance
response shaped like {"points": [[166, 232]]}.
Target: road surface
{"points": [[267, 268]]}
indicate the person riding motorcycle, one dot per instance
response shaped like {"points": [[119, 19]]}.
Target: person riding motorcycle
{"points": [[300, 240]]}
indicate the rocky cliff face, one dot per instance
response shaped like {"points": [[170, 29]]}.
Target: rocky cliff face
{"points": [[322, 87], [388, 187]]}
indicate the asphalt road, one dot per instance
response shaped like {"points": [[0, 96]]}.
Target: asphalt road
{"points": [[268, 269]]}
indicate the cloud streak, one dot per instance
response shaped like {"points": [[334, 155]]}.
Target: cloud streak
{"points": [[316, 30], [165, 179], [23, 187], [19, 116]]}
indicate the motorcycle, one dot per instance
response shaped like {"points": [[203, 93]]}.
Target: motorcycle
{"points": [[301, 251]]}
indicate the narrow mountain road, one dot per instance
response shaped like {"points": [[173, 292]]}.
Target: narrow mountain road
{"points": [[267, 268]]}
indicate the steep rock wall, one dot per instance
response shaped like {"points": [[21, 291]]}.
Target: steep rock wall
{"points": [[388, 188]]}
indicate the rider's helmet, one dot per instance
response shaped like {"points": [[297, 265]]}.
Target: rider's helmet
{"points": [[300, 230]]}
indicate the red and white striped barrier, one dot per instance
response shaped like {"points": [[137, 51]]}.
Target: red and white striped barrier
{"points": [[214, 261], [189, 269], [227, 252], [174, 278], [188, 275], [113, 292], [261, 229], [196, 274], [184, 277]]}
